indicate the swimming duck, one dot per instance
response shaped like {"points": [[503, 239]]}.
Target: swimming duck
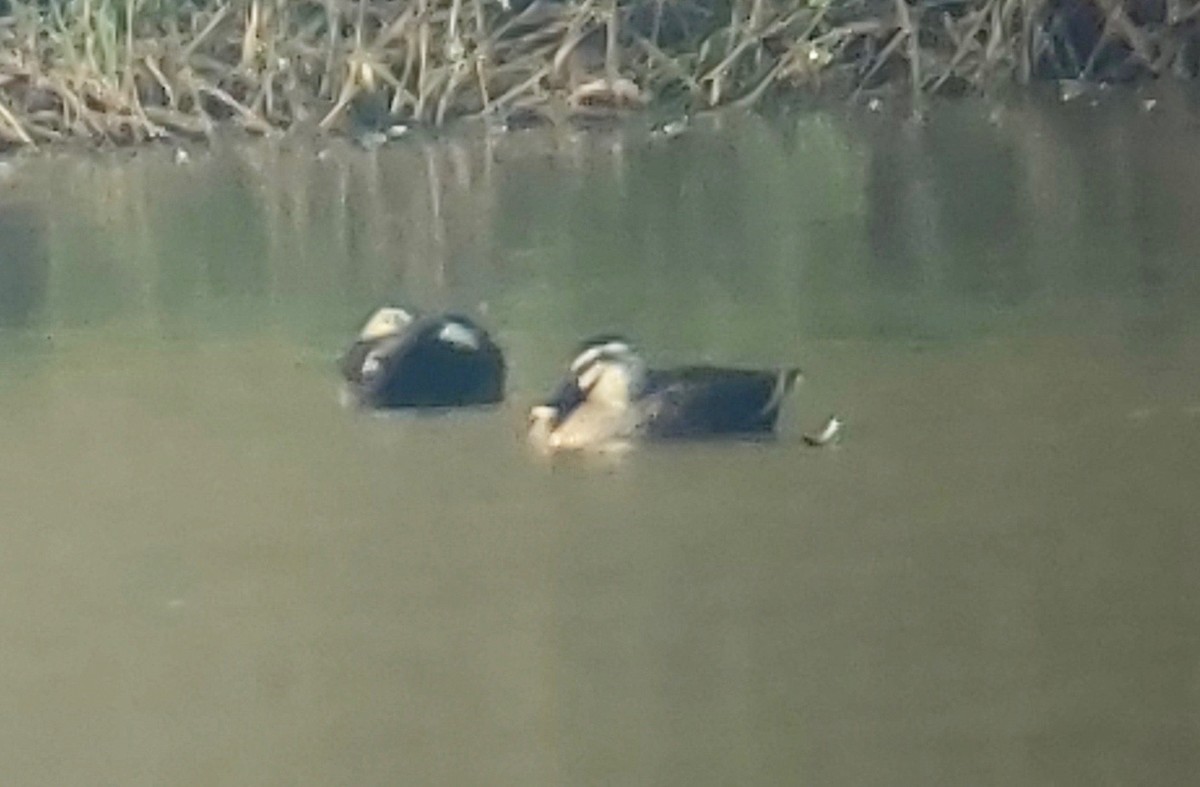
{"points": [[611, 396], [404, 360]]}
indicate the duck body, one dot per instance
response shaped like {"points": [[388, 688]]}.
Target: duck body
{"points": [[702, 401], [610, 396], [401, 361]]}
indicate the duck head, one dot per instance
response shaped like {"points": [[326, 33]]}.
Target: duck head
{"points": [[608, 373], [385, 322], [595, 403], [432, 360]]}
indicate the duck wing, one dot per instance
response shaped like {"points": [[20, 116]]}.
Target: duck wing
{"points": [[442, 361], [694, 401]]}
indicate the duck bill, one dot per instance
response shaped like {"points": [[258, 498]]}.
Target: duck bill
{"points": [[564, 401]]}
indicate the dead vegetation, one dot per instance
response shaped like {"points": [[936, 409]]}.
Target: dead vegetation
{"points": [[124, 71]]}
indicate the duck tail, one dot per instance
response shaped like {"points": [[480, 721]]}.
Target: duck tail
{"points": [[785, 380]]}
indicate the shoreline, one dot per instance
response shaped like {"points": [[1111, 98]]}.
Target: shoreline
{"points": [[100, 75]]}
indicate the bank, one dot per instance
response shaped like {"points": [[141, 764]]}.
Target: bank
{"points": [[102, 72]]}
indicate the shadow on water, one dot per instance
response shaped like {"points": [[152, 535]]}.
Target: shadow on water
{"points": [[214, 574]]}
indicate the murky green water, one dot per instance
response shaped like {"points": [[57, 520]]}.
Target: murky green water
{"points": [[210, 573]]}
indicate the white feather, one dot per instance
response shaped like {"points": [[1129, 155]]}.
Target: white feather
{"points": [[388, 321], [371, 365], [592, 353], [459, 335], [590, 376]]}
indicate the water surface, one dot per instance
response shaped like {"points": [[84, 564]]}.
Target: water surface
{"points": [[211, 573]]}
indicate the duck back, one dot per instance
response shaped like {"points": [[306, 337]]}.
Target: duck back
{"points": [[697, 401], [420, 368], [434, 375]]}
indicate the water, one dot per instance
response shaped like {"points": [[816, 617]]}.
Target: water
{"points": [[213, 574]]}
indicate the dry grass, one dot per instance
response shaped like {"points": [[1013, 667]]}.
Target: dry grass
{"points": [[131, 70]]}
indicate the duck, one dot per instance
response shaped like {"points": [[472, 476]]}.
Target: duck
{"points": [[405, 360], [610, 397]]}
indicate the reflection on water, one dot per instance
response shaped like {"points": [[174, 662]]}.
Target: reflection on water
{"points": [[214, 574], [23, 265]]}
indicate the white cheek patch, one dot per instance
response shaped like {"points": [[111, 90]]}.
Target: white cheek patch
{"points": [[459, 335]]}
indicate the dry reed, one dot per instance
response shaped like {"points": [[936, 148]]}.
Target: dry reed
{"points": [[125, 71]]}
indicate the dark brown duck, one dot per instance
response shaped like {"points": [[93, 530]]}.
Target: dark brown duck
{"points": [[400, 361]]}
